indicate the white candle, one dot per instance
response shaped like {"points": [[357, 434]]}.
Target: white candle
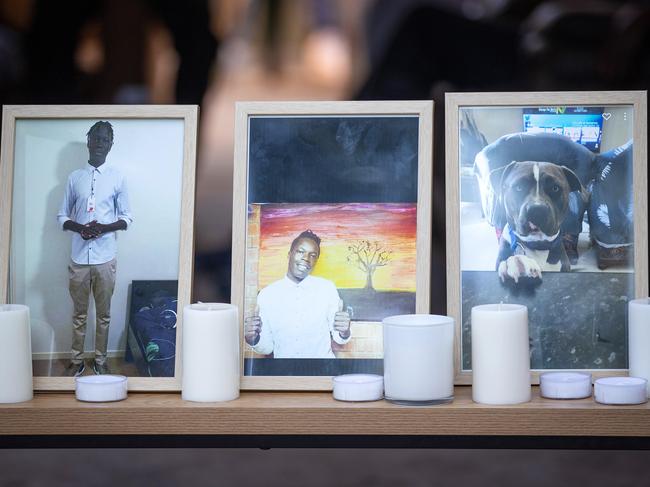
{"points": [[621, 390], [15, 354], [500, 354], [419, 359], [565, 385], [358, 387], [101, 388], [210, 357], [639, 338]]}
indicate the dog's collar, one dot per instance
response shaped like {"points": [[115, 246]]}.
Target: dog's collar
{"points": [[516, 241]]}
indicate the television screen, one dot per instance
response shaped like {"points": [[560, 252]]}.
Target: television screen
{"points": [[583, 125]]}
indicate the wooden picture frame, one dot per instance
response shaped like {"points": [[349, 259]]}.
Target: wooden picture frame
{"points": [[333, 168], [577, 319], [154, 150]]}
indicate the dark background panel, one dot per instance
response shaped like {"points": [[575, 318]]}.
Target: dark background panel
{"points": [[333, 159], [311, 367], [376, 466], [576, 320]]}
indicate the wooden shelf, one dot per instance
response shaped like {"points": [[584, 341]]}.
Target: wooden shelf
{"points": [[316, 413]]}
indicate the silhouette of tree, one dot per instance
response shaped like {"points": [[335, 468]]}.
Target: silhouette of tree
{"points": [[367, 256]]}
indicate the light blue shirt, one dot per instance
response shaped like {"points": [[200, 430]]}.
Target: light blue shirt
{"points": [[108, 187]]}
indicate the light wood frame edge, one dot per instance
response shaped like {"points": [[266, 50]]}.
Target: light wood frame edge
{"points": [[189, 114], [424, 111], [453, 102]]}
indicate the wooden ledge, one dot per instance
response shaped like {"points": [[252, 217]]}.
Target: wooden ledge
{"points": [[316, 413]]}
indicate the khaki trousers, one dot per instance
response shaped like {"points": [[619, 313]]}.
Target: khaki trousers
{"points": [[100, 279]]}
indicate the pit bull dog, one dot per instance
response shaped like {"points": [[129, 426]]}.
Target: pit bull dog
{"points": [[535, 196]]}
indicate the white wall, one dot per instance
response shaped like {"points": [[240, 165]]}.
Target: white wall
{"points": [[494, 122], [618, 129], [150, 154]]}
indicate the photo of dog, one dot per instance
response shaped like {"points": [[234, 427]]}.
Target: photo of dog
{"points": [[547, 221], [535, 196], [547, 203]]}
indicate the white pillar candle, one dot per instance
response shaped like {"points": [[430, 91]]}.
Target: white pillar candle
{"points": [[621, 390], [565, 385], [15, 354], [639, 338], [358, 387], [210, 357], [419, 359], [500, 354]]}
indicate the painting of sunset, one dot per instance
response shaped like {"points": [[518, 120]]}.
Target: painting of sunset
{"points": [[367, 249]]}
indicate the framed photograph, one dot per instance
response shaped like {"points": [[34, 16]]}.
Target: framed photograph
{"points": [[547, 207], [331, 234], [96, 199]]}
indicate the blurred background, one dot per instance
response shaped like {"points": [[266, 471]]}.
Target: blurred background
{"points": [[215, 52]]}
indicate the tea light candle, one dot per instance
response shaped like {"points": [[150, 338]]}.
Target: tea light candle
{"points": [[500, 354], [418, 359], [101, 388], [639, 338], [358, 387], [565, 385], [210, 357], [15, 354], [621, 390]]}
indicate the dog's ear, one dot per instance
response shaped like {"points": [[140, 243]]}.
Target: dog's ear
{"points": [[573, 179], [499, 175]]}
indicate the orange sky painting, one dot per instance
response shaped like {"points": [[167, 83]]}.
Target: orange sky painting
{"points": [[338, 225]]}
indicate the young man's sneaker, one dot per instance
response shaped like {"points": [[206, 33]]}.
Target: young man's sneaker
{"points": [[101, 369], [75, 370]]}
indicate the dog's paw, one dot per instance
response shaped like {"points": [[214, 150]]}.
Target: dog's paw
{"points": [[517, 266]]}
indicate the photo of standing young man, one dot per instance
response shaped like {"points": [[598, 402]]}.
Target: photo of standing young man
{"points": [[95, 206]]}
